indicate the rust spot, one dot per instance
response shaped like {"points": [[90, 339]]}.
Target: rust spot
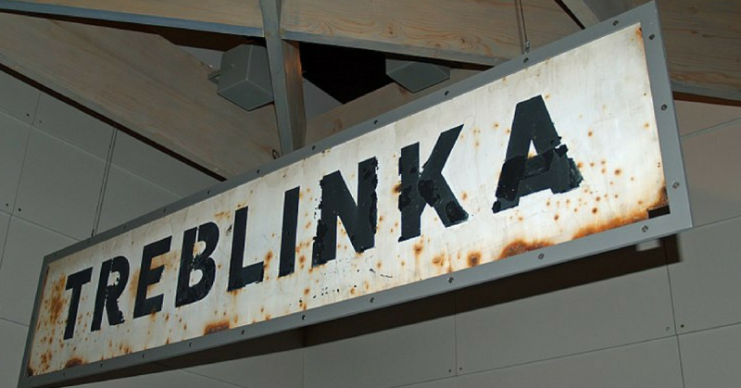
{"points": [[308, 225], [418, 248], [57, 301], [556, 217], [379, 265], [647, 125], [73, 362], [262, 309], [618, 171], [464, 196], [438, 261], [580, 165], [611, 224], [352, 291], [521, 246], [268, 256], [598, 199], [594, 210], [30, 371], [397, 188], [474, 259], [604, 170], [306, 291], [590, 134], [216, 327], [268, 317], [45, 359], [663, 199], [639, 33], [220, 215]]}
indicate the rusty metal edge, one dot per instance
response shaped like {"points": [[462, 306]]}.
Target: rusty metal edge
{"points": [[677, 220]]}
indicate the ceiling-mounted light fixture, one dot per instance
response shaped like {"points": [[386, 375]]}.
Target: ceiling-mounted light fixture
{"points": [[415, 76], [244, 77]]}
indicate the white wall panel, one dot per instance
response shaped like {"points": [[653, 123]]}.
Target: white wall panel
{"points": [[60, 186], [444, 383], [17, 98], [652, 364], [66, 122], [711, 359], [12, 343], [398, 346], [155, 166], [603, 301], [171, 379], [26, 246], [712, 164], [279, 365], [128, 196], [13, 140], [706, 282], [695, 116]]}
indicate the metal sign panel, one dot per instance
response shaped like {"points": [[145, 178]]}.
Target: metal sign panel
{"points": [[563, 153]]}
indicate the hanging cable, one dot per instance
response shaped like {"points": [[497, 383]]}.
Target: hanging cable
{"points": [[523, 27]]}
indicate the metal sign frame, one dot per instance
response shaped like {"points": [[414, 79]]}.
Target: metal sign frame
{"points": [[676, 220]]}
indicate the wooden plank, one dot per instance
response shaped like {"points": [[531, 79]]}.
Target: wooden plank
{"points": [[144, 83], [591, 12], [703, 44], [286, 78], [702, 40], [244, 13], [372, 105], [473, 31]]}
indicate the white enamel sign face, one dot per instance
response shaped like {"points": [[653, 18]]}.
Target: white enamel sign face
{"points": [[563, 149]]}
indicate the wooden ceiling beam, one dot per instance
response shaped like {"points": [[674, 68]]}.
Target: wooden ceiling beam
{"points": [[591, 12], [702, 41], [703, 46], [144, 83], [470, 31], [240, 17]]}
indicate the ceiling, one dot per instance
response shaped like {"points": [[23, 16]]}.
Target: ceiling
{"points": [[123, 59]]}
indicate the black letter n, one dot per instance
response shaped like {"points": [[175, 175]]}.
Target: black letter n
{"points": [[359, 219], [550, 169]]}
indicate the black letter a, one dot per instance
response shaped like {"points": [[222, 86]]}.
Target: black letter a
{"points": [[551, 168]]}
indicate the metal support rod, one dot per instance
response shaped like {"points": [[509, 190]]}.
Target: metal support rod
{"points": [[287, 81]]}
